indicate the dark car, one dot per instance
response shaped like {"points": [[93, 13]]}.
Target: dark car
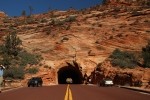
{"points": [[35, 82]]}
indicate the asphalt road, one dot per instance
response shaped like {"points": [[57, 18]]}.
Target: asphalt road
{"points": [[79, 92]]}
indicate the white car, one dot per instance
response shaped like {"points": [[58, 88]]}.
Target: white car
{"points": [[69, 80], [106, 82]]}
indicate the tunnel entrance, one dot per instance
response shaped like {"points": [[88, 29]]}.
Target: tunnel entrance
{"points": [[71, 72]]}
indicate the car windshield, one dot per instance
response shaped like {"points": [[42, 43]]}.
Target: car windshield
{"points": [[108, 79]]}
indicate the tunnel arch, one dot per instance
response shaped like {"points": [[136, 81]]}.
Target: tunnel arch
{"points": [[70, 72]]}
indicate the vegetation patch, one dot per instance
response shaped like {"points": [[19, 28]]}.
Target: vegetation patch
{"points": [[28, 58], [14, 73], [32, 70], [14, 58], [146, 56], [123, 59], [57, 22], [71, 18]]}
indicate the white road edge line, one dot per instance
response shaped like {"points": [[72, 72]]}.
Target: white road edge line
{"points": [[144, 93], [11, 89]]}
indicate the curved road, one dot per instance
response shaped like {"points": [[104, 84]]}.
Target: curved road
{"points": [[79, 92]]}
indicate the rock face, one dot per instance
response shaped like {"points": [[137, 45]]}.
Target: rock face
{"points": [[133, 77]]}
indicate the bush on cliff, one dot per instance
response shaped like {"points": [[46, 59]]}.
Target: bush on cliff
{"points": [[14, 58], [146, 56], [123, 59], [14, 73]]}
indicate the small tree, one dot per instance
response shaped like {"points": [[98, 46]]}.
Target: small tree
{"points": [[23, 13], [31, 10], [28, 58], [11, 44], [146, 55], [5, 61]]}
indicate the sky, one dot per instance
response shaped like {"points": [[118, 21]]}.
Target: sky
{"points": [[15, 7]]}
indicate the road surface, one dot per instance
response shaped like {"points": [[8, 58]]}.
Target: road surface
{"points": [[73, 92]]}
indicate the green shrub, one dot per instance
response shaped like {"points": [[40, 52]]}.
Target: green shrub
{"points": [[14, 73], [32, 70], [43, 20], [10, 49], [123, 59], [12, 55], [57, 22], [60, 22], [11, 44], [146, 56], [70, 18], [30, 20], [28, 58], [6, 61]]}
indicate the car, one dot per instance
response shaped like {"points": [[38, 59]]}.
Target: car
{"points": [[35, 82], [106, 82], [69, 80]]}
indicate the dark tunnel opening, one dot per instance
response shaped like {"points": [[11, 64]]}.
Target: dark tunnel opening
{"points": [[70, 72]]}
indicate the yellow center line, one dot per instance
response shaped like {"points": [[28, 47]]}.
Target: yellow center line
{"points": [[68, 95]]}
